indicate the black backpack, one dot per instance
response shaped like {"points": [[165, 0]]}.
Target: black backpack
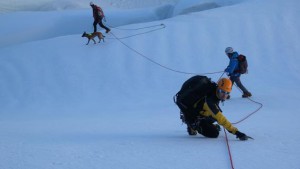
{"points": [[243, 64], [192, 90]]}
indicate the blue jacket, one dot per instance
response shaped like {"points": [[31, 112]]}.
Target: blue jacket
{"points": [[233, 67]]}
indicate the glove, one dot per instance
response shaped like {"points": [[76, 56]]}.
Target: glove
{"points": [[242, 136], [226, 71]]}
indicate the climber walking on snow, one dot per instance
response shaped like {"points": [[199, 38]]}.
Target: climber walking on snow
{"points": [[98, 15], [234, 70]]}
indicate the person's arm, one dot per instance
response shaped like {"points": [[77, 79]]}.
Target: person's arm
{"points": [[233, 63], [224, 122], [214, 111], [221, 119]]}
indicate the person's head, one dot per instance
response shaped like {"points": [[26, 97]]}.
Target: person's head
{"points": [[229, 51], [92, 4], [224, 88]]}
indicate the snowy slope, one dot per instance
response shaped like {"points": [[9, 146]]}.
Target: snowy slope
{"points": [[68, 105]]}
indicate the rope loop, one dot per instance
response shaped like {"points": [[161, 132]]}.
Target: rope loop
{"points": [[160, 26], [151, 60]]}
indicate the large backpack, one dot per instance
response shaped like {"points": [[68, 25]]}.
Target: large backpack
{"points": [[99, 12], [192, 90], [243, 64]]}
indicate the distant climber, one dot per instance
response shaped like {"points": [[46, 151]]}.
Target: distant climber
{"points": [[98, 15]]}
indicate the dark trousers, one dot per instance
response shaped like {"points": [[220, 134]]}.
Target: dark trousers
{"points": [[208, 129], [237, 80], [101, 25]]}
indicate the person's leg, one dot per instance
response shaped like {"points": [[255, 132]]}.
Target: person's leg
{"points": [[103, 26], [191, 131], [187, 117], [240, 85], [232, 81], [208, 129], [95, 26], [232, 78]]}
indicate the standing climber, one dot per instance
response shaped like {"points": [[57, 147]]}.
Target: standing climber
{"points": [[98, 15], [233, 71]]}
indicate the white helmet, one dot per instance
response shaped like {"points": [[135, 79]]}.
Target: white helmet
{"points": [[91, 3], [229, 50]]}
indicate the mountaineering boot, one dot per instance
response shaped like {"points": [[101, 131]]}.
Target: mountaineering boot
{"points": [[107, 30], [191, 131], [246, 94], [218, 127]]}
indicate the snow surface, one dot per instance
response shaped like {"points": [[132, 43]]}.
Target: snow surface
{"points": [[66, 105]]}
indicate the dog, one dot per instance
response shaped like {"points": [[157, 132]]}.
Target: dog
{"points": [[92, 36]]}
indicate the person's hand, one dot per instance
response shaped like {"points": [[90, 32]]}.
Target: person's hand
{"points": [[242, 136], [226, 71]]}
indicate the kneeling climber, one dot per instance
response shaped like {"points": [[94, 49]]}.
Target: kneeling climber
{"points": [[199, 100]]}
